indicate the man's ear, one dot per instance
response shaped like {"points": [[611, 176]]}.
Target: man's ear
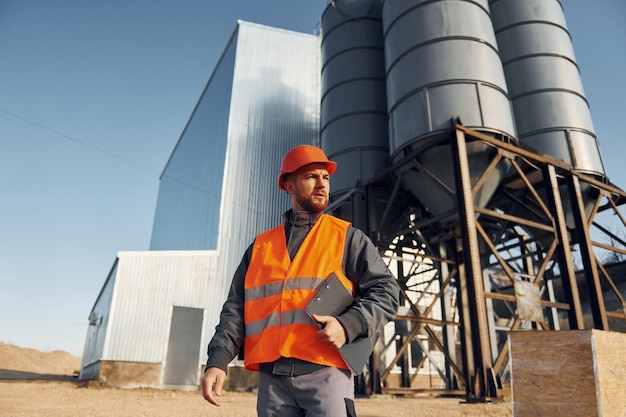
{"points": [[289, 187]]}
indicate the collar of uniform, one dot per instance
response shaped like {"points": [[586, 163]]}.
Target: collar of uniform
{"points": [[301, 218]]}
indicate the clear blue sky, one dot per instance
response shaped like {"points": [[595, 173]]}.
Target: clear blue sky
{"points": [[93, 97]]}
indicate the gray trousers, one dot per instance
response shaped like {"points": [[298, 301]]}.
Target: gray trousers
{"points": [[328, 392]]}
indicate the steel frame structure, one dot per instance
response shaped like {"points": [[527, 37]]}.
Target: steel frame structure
{"points": [[528, 259]]}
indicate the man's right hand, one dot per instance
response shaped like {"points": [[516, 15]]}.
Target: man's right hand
{"points": [[212, 383]]}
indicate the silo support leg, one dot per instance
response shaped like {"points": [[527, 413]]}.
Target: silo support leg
{"points": [[596, 297], [477, 309], [564, 251]]}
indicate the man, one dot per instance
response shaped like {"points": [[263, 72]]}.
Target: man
{"points": [[301, 369]]}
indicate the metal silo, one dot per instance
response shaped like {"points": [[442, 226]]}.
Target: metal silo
{"points": [[551, 112], [442, 62], [354, 123]]}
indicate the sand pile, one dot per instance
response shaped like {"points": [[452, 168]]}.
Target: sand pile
{"points": [[57, 362]]}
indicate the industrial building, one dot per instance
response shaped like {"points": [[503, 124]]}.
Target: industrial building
{"points": [[152, 320], [466, 151]]}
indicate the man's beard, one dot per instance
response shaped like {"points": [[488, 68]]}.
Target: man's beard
{"points": [[313, 206]]}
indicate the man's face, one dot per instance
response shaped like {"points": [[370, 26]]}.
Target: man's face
{"points": [[309, 187]]}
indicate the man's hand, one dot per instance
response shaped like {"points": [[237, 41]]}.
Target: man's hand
{"points": [[332, 332], [212, 382]]}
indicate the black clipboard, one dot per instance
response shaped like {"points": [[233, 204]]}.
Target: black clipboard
{"points": [[332, 299]]}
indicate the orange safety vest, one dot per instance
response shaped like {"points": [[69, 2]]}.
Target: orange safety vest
{"points": [[277, 291]]}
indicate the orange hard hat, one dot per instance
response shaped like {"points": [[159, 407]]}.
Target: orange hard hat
{"points": [[301, 156]]}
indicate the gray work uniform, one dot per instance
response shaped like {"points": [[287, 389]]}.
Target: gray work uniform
{"points": [[326, 392]]}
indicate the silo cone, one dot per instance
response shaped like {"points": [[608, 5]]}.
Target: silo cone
{"points": [[354, 121], [551, 112], [442, 62]]}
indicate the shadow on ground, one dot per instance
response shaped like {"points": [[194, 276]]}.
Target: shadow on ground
{"points": [[10, 375]]}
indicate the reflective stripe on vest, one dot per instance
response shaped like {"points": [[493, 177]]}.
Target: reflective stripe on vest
{"points": [[277, 290]]}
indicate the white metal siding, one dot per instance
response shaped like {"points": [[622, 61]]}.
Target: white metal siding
{"points": [[148, 285], [98, 325], [274, 107]]}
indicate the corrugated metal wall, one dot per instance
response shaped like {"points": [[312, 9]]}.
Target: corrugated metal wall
{"points": [[274, 107], [98, 326], [187, 213], [262, 100], [148, 284]]}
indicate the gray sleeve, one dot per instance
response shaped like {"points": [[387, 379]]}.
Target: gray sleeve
{"points": [[377, 290], [230, 332]]}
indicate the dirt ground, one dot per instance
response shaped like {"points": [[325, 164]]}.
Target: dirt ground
{"points": [[67, 399], [37, 384]]}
